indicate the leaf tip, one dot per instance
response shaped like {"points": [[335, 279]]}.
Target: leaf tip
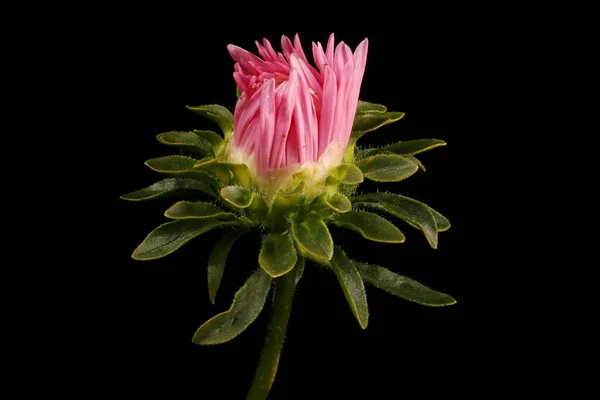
{"points": [[138, 255]]}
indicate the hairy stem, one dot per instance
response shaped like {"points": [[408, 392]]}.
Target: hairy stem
{"points": [[269, 360]]}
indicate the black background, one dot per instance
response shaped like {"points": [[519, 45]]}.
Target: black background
{"points": [[150, 310]]}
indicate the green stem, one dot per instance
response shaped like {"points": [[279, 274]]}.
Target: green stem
{"points": [[269, 360]]}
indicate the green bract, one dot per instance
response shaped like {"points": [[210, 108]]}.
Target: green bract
{"points": [[292, 221]]}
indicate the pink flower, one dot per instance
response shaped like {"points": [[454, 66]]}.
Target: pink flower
{"points": [[290, 113]]}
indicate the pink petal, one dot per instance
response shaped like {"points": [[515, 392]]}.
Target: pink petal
{"points": [[305, 117], [298, 47], [241, 80], [248, 113], [287, 47], [266, 124], [309, 75], [342, 122], [261, 50], [288, 92], [342, 56], [328, 110], [276, 57], [239, 107], [248, 143], [360, 60], [319, 57], [244, 57], [330, 49], [291, 149]]}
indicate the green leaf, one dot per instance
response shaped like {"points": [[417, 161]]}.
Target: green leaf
{"points": [[411, 211], [286, 201], [366, 107], [187, 141], [217, 113], [298, 190], [352, 286], [169, 237], [237, 196], [408, 148], [181, 167], [216, 141], [258, 208], [299, 269], [171, 163], [313, 239], [441, 222], [402, 286], [413, 147], [277, 255], [338, 203], [364, 123], [416, 161], [196, 210], [370, 226], [213, 166], [217, 260], [387, 168], [247, 304], [168, 187], [241, 173], [348, 174]]}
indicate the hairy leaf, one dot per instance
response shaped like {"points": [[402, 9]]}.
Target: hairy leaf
{"points": [[169, 237], [247, 304]]}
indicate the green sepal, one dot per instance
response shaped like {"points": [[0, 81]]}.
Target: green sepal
{"points": [[411, 211], [313, 239], [247, 304], [182, 167], [284, 205], [402, 286], [169, 237], [213, 138], [364, 107], [241, 173], [258, 208], [365, 123], [217, 260], [237, 196], [213, 165], [407, 148], [168, 187], [221, 115], [287, 201], [417, 162], [338, 203], [348, 174], [299, 269], [387, 168], [196, 210], [352, 286], [277, 254], [370, 226], [326, 205], [187, 141]]}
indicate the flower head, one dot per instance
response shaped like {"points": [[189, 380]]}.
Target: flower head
{"points": [[277, 169], [291, 115]]}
